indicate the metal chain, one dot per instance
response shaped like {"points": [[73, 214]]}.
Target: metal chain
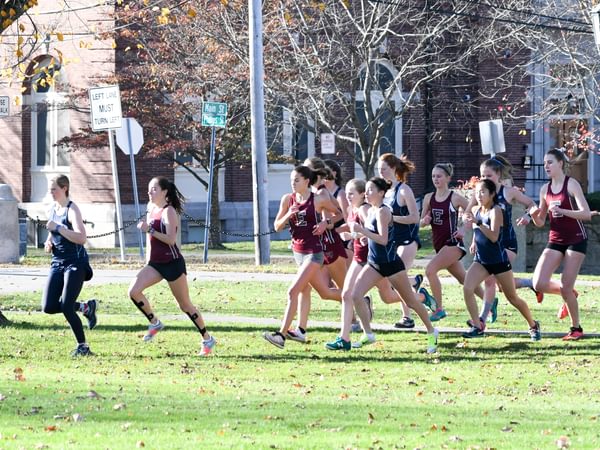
{"points": [[203, 225], [187, 216]]}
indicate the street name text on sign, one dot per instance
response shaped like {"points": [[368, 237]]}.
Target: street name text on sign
{"points": [[105, 103], [4, 105], [214, 114]]}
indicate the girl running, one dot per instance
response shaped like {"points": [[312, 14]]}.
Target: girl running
{"points": [[302, 210], [382, 262], [440, 210], [70, 264], [491, 259], [165, 261], [401, 200], [358, 213], [499, 170], [563, 198]]}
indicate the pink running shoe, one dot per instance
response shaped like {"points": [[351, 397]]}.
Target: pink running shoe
{"points": [[207, 346], [153, 329], [575, 333], [563, 311]]}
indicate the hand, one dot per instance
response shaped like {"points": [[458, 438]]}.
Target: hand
{"points": [[48, 246], [320, 228], [459, 234], [143, 226], [467, 219], [51, 225], [555, 211], [426, 220], [472, 248], [293, 210], [523, 220]]}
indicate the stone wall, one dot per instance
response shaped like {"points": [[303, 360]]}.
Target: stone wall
{"points": [[537, 238]]}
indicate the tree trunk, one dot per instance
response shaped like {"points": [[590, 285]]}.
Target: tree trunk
{"points": [[214, 234]]}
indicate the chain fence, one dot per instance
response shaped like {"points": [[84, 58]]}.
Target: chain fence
{"points": [[37, 222]]}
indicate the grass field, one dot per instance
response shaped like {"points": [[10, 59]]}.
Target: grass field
{"points": [[498, 392]]}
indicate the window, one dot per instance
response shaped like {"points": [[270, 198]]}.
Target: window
{"points": [[50, 118]]}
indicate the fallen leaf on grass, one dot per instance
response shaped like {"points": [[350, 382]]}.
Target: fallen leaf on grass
{"points": [[507, 429], [563, 442], [50, 428], [119, 406], [2, 397], [19, 374], [93, 394], [77, 417], [371, 419], [140, 444], [343, 396]]}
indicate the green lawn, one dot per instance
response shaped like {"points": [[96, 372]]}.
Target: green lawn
{"points": [[498, 392]]}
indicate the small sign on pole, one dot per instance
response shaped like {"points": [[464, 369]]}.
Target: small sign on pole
{"points": [[4, 105], [130, 138], [105, 107], [327, 143], [492, 137], [214, 114]]}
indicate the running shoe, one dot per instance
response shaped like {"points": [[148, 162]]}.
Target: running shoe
{"points": [[432, 341], [563, 311], [90, 313], [207, 346], [364, 340], [369, 306], [297, 335], [575, 333], [494, 310], [535, 332], [474, 332], [470, 323], [153, 329], [81, 350], [429, 300], [438, 315], [338, 344], [275, 338], [418, 281], [406, 322], [539, 296]]}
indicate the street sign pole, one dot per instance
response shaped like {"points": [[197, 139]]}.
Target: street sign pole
{"points": [[113, 160], [135, 190], [210, 189]]}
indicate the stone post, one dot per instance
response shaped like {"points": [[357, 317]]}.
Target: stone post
{"points": [[9, 226]]}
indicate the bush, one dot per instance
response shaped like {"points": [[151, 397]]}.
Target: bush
{"points": [[593, 200]]}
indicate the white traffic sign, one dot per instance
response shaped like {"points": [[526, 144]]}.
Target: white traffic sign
{"points": [[492, 137], [105, 105], [4, 105], [130, 137], [214, 114]]}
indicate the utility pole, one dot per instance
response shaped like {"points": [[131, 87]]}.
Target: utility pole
{"points": [[259, 147]]}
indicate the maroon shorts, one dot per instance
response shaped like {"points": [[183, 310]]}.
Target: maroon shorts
{"points": [[333, 247]]}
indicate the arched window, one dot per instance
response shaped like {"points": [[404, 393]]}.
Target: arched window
{"points": [[45, 90]]}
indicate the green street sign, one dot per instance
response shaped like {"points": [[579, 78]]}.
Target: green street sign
{"points": [[214, 114]]}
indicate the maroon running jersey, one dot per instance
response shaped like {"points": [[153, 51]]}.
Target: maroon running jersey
{"points": [[302, 224], [159, 251], [361, 251], [563, 230], [444, 222]]}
